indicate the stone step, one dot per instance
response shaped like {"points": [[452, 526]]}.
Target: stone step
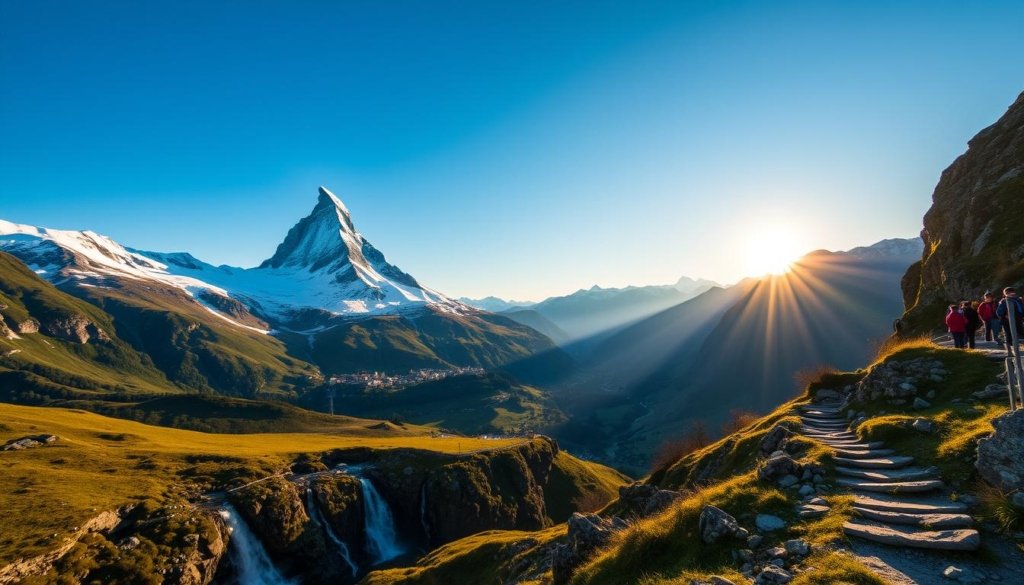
{"points": [[826, 428], [905, 474], [830, 435], [819, 422], [807, 511], [822, 418], [855, 445], [820, 411], [891, 487], [893, 462], [931, 521], [963, 539], [864, 453], [905, 505]]}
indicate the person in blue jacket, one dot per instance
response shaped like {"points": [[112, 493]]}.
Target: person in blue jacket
{"points": [[1003, 311]]}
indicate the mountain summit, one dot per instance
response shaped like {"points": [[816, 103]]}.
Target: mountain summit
{"points": [[323, 265], [327, 240]]}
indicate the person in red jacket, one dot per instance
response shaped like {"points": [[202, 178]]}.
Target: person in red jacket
{"points": [[987, 312], [957, 324]]}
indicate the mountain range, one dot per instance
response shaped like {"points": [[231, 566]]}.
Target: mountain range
{"points": [[729, 349], [598, 311], [326, 302]]}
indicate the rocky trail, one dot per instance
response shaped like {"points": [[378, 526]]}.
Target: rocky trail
{"points": [[905, 527], [893, 499]]}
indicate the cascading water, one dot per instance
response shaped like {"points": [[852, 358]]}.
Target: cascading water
{"points": [[252, 565], [381, 537], [318, 518], [423, 511]]}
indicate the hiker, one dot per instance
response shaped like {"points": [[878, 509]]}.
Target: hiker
{"points": [[970, 313], [1003, 310], [957, 324], [987, 313]]}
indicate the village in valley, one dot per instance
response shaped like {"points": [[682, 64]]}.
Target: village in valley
{"points": [[382, 381]]}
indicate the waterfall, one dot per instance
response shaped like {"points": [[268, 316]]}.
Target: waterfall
{"points": [[381, 537], [318, 518], [252, 565], [423, 512]]}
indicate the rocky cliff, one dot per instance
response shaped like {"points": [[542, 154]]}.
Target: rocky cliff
{"points": [[452, 497], [972, 232]]}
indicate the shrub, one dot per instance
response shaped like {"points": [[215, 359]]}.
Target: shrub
{"points": [[672, 450]]}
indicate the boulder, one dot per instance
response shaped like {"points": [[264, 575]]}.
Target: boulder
{"points": [[769, 523], [773, 575], [798, 547], [644, 500], [953, 573], [1000, 460], [661, 500], [992, 391], [715, 524], [28, 442], [775, 440], [585, 533], [922, 425], [921, 403], [778, 466], [28, 326], [712, 580]]}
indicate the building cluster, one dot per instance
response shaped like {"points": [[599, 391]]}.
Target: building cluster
{"points": [[382, 381]]}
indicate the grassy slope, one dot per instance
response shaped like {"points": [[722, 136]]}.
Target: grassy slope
{"points": [[666, 549], [959, 424], [100, 463], [196, 349], [486, 557], [578, 485], [45, 363]]}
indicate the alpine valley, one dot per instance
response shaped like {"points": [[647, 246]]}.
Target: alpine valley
{"points": [[325, 417]]}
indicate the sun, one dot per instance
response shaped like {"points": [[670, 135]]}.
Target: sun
{"points": [[772, 251]]}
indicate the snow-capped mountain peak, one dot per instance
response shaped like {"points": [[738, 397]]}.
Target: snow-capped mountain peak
{"points": [[323, 264], [326, 236]]}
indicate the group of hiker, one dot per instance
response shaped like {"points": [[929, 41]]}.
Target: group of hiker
{"points": [[965, 319]]}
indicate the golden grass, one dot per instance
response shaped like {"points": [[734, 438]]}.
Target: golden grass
{"points": [[836, 568], [101, 463], [893, 345], [665, 545], [486, 557]]}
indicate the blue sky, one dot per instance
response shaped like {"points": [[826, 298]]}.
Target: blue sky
{"points": [[521, 149]]}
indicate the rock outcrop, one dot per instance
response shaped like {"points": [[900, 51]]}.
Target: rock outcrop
{"points": [[715, 524], [451, 497], [899, 381], [585, 534], [999, 455], [75, 328], [28, 326], [275, 512], [972, 235], [28, 442], [641, 499], [340, 499]]}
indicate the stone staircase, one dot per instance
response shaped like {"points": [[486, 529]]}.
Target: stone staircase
{"points": [[895, 502]]}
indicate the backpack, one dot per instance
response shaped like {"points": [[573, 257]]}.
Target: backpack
{"points": [[1018, 309]]}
